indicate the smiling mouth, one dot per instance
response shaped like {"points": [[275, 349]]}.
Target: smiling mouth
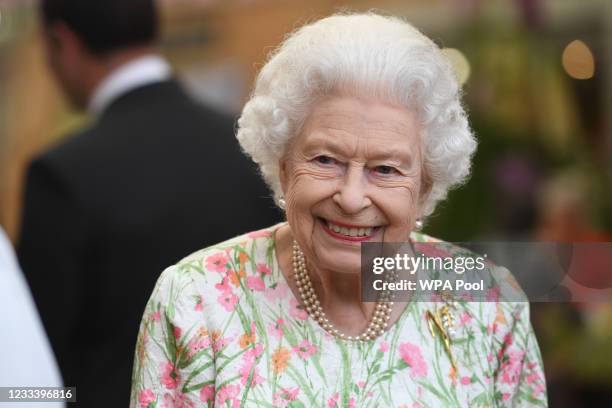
{"points": [[349, 232]]}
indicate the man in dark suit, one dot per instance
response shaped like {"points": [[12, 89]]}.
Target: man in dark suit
{"points": [[155, 177]]}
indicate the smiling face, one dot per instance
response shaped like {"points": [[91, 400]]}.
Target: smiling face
{"points": [[354, 174]]}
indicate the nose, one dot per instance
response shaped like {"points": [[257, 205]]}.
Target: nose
{"points": [[352, 195]]}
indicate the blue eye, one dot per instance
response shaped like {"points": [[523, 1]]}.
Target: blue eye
{"points": [[324, 159], [384, 169]]}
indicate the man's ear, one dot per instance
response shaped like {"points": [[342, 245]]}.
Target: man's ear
{"points": [[63, 39]]}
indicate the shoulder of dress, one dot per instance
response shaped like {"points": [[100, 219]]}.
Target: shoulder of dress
{"points": [[420, 237], [504, 286], [262, 239]]}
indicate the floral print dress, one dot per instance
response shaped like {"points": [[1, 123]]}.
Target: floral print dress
{"points": [[223, 329]]}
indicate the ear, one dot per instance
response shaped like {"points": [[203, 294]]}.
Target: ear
{"points": [[283, 173], [62, 39], [426, 186]]}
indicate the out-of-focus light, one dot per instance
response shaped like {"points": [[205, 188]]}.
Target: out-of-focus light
{"points": [[460, 63], [578, 60]]}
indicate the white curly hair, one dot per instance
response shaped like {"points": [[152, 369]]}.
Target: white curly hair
{"points": [[360, 55]]}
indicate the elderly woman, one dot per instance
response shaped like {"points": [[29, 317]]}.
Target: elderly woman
{"points": [[357, 127]]}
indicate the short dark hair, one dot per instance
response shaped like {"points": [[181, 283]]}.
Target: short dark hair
{"points": [[105, 25]]}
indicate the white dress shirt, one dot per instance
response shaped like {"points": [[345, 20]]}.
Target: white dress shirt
{"points": [[26, 358], [134, 74]]}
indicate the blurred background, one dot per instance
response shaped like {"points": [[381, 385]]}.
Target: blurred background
{"points": [[537, 80]]}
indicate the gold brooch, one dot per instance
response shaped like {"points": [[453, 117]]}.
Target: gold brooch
{"points": [[443, 321]]}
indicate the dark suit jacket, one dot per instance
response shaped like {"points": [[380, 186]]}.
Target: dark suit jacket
{"points": [[155, 178]]}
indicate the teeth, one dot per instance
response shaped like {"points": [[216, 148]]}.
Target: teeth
{"points": [[350, 232]]}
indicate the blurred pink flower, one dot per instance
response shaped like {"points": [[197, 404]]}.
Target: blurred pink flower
{"points": [[305, 349], [207, 393], [277, 292], [285, 396], [170, 376], [199, 303], [465, 380], [245, 372], [296, 310], [263, 268], [412, 356], [177, 332], [228, 300], [464, 319], [224, 286], [146, 397], [538, 389], [511, 368], [333, 401], [197, 344], [492, 294], [227, 392], [176, 400], [217, 262], [259, 234], [254, 352], [256, 283], [219, 342], [384, 346], [276, 329]]}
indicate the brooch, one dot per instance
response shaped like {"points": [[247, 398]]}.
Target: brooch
{"points": [[442, 321]]}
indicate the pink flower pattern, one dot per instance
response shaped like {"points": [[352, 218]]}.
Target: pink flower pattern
{"points": [[217, 262], [263, 268], [285, 396], [256, 283], [208, 339], [412, 356], [305, 349], [228, 300], [177, 400], [170, 376], [296, 311], [207, 393], [228, 392], [146, 397]]}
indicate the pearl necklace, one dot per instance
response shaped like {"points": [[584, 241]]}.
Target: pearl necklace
{"points": [[380, 317]]}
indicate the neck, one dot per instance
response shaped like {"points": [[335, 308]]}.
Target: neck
{"points": [[105, 65], [340, 297], [338, 292]]}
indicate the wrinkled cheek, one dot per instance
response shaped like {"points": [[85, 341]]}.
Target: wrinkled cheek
{"points": [[402, 216], [299, 215]]}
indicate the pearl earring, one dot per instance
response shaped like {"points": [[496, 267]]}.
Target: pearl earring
{"points": [[418, 225], [282, 203]]}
